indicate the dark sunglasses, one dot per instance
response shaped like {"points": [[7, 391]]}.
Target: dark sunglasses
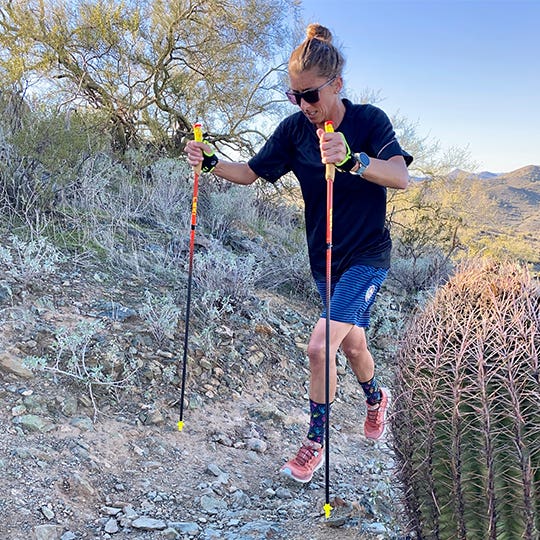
{"points": [[309, 96]]}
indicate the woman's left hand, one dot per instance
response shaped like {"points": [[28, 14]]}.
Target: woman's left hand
{"points": [[333, 146]]}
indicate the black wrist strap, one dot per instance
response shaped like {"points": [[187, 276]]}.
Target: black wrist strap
{"points": [[209, 162], [348, 165]]}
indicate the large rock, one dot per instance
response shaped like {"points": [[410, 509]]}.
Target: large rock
{"points": [[32, 422], [48, 532], [149, 524], [11, 364]]}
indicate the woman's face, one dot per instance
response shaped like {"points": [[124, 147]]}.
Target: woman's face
{"points": [[327, 91]]}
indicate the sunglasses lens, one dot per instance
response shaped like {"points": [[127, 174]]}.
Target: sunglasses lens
{"points": [[294, 98], [311, 96]]}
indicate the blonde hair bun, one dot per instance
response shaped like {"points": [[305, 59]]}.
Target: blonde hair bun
{"points": [[317, 31]]}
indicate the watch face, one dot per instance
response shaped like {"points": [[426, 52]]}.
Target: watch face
{"points": [[364, 159]]}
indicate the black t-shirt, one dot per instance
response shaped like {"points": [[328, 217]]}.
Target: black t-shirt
{"points": [[359, 233]]}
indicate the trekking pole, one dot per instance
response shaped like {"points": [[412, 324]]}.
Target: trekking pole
{"points": [[330, 173], [197, 132]]}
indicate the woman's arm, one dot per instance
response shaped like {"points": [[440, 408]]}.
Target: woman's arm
{"points": [[390, 173], [239, 173]]}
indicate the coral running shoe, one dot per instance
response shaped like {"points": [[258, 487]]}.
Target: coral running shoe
{"points": [[375, 424], [309, 459]]}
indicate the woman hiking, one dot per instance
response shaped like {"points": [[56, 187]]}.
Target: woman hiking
{"points": [[368, 160]]}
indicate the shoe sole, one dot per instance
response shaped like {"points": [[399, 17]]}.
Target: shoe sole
{"points": [[287, 473], [382, 436]]}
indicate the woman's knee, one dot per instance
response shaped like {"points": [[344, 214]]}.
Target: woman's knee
{"points": [[316, 352], [355, 349]]}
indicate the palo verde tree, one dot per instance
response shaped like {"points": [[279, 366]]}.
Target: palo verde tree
{"points": [[152, 67]]}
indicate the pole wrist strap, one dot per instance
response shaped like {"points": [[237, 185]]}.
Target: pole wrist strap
{"points": [[350, 159], [209, 162]]}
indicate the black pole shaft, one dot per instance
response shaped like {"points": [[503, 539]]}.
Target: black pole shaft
{"points": [[186, 337], [327, 389]]}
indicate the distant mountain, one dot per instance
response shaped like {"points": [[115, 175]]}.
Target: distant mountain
{"points": [[530, 173], [516, 211], [517, 194], [486, 174]]}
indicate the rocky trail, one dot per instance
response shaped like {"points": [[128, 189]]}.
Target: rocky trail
{"points": [[130, 474]]}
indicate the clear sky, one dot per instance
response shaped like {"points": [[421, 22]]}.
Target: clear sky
{"points": [[468, 71]]}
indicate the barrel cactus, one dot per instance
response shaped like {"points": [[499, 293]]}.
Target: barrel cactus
{"points": [[466, 419]]}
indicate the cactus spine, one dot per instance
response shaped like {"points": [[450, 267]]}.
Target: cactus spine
{"points": [[466, 419]]}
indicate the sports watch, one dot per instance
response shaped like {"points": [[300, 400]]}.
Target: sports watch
{"points": [[364, 161]]}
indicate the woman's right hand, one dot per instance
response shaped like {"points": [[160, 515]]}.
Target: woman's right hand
{"points": [[194, 151]]}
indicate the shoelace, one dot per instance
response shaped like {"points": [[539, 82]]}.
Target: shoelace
{"points": [[373, 415], [304, 455]]}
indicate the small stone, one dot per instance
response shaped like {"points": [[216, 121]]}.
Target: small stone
{"points": [[69, 406], [148, 524], [375, 528], [111, 526], [110, 510], [256, 358], [241, 499], [48, 532], [129, 512], [214, 469], [47, 512], [170, 534], [212, 505], [261, 529], [185, 527], [266, 411], [257, 445], [18, 410], [83, 423], [283, 493], [68, 535]]}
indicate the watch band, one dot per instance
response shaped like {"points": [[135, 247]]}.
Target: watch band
{"points": [[364, 162]]}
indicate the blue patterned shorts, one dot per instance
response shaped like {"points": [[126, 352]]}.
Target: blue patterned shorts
{"points": [[353, 294]]}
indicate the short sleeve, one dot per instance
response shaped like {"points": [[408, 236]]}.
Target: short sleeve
{"points": [[274, 159], [383, 141]]}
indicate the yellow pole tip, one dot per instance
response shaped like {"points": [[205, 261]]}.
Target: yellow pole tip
{"points": [[327, 510], [180, 425]]}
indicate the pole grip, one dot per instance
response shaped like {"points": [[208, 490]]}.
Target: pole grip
{"points": [[330, 167], [198, 135]]}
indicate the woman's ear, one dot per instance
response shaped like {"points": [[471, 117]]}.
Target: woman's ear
{"points": [[338, 85]]}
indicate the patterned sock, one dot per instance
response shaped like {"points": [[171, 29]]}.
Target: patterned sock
{"points": [[317, 423], [372, 390]]}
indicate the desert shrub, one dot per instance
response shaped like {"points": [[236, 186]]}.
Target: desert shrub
{"points": [[30, 260], [224, 208], [221, 270], [42, 159], [161, 314], [168, 192], [287, 271], [413, 275], [466, 421], [76, 357]]}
